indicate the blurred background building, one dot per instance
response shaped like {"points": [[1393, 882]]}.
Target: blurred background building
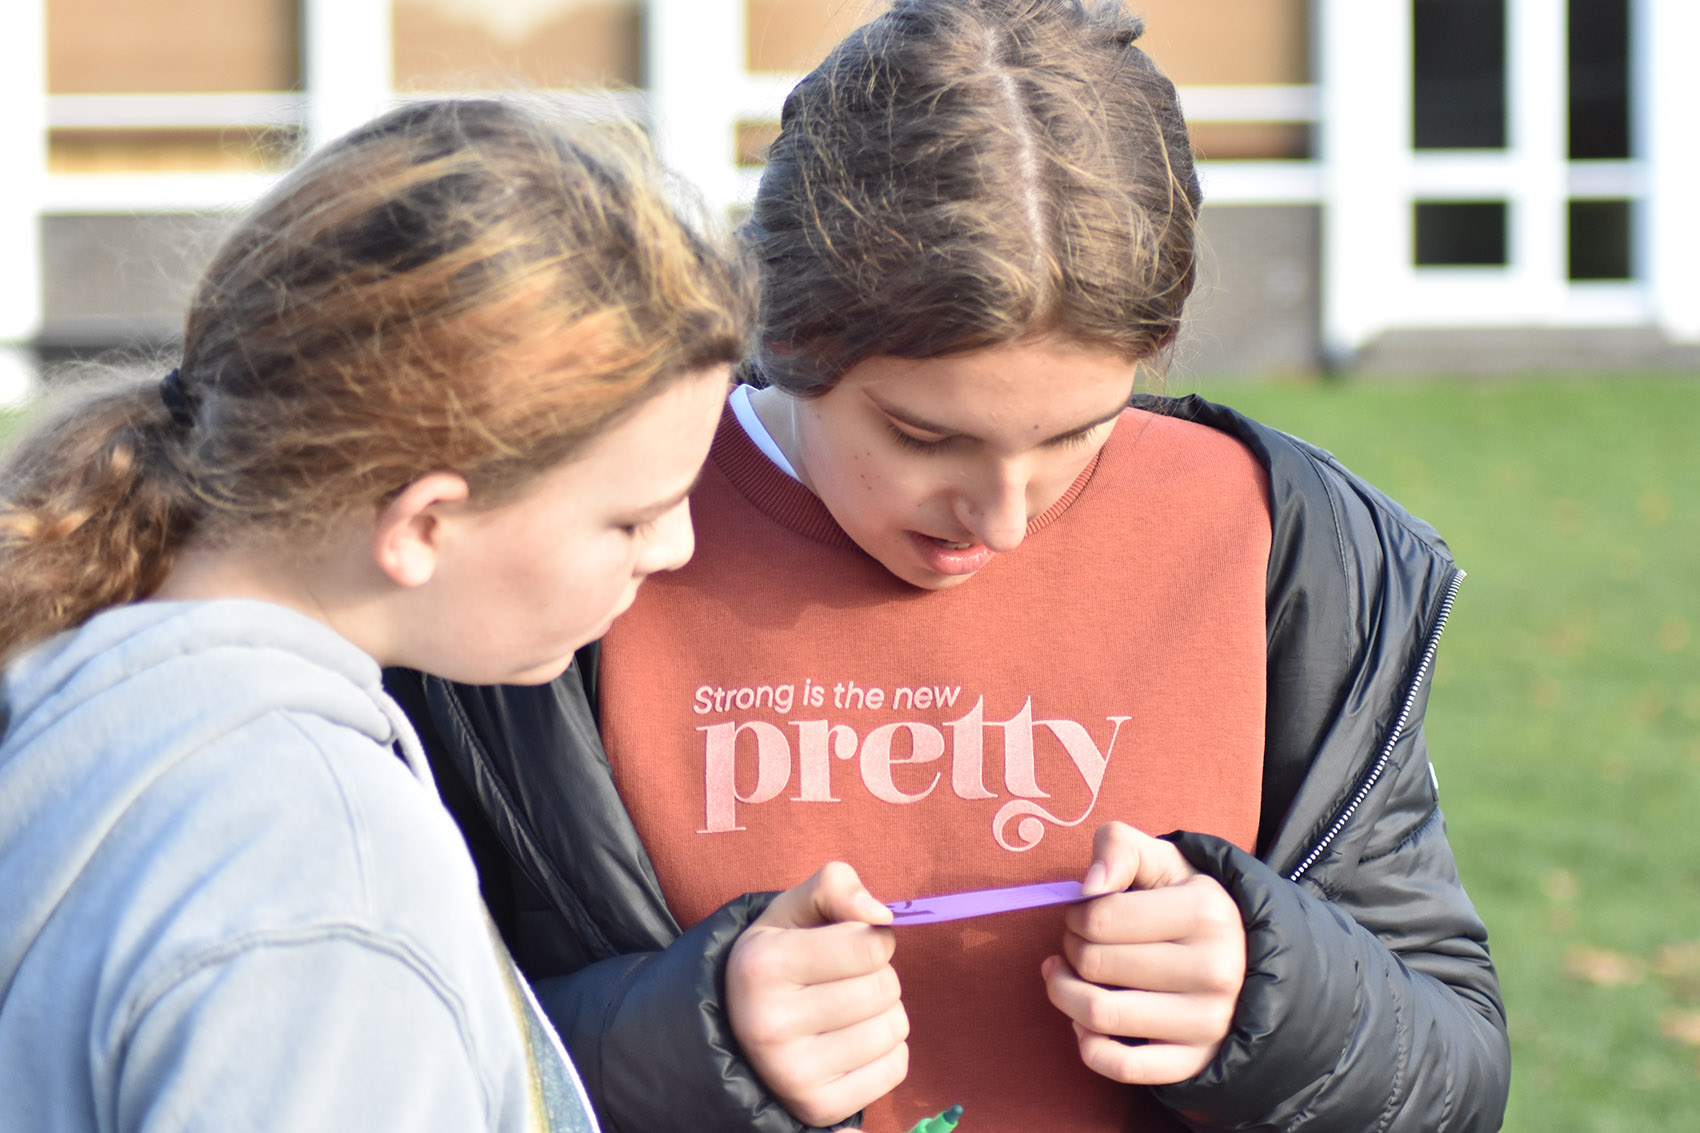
{"points": [[1469, 185]]}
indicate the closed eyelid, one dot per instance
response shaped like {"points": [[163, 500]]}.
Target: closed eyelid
{"points": [[925, 433], [920, 432], [912, 425], [1077, 437], [655, 512], [904, 437]]}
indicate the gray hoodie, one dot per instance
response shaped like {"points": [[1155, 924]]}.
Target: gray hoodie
{"points": [[226, 903]]}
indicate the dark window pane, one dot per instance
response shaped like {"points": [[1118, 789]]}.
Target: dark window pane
{"points": [[1460, 232], [1600, 240], [1599, 78], [1458, 68]]}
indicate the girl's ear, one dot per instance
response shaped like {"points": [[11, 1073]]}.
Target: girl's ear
{"points": [[407, 539]]}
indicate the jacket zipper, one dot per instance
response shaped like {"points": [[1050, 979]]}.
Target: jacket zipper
{"points": [[1373, 775]]}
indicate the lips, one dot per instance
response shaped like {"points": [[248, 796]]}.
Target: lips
{"points": [[950, 557]]}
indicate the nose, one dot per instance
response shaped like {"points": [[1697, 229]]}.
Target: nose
{"points": [[995, 509], [670, 543]]}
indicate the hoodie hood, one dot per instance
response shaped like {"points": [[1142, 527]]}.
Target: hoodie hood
{"points": [[94, 716]]}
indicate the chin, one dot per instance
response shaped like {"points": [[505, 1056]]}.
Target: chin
{"points": [[540, 674], [942, 582]]}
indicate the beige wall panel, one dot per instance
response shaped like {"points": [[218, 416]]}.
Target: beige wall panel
{"points": [[170, 151], [794, 35], [1228, 41], [1229, 141], [1195, 41], [130, 46], [503, 44]]}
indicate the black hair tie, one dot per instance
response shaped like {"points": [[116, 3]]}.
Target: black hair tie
{"points": [[177, 401]]}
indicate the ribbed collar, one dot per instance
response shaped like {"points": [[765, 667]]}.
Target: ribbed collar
{"points": [[789, 504]]}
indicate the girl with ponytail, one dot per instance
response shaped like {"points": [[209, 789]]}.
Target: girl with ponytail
{"points": [[441, 397]]}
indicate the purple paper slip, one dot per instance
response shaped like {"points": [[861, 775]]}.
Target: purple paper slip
{"points": [[980, 902]]}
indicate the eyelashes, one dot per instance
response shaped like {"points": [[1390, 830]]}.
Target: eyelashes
{"points": [[913, 443], [1076, 440], [916, 444]]}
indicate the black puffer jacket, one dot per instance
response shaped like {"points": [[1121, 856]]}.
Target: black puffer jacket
{"points": [[1370, 1002]]}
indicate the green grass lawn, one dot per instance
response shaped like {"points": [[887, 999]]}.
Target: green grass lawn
{"points": [[1565, 723]]}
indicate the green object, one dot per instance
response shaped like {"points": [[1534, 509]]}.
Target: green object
{"points": [[943, 1123]]}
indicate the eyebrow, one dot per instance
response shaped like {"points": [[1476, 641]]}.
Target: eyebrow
{"points": [[662, 507], [926, 426]]}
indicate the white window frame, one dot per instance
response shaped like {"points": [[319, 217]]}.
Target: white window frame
{"points": [[1366, 176], [1374, 177]]}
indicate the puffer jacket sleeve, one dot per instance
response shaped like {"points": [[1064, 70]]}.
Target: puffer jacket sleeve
{"points": [[649, 1035], [1370, 1002]]}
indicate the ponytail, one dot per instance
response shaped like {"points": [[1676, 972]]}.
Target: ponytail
{"points": [[94, 505]]}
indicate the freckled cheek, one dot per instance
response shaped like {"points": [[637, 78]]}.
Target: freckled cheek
{"points": [[856, 472], [863, 464]]}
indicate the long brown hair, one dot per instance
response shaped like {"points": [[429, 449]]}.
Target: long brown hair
{"points": [[466, 285], [963, 173]]}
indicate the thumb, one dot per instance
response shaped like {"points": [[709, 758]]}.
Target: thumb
{"points": [[833, 895], [1126, 858]]}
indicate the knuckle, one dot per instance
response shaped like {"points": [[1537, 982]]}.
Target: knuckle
{"points": [[1096, 918], [836, 875], [1210, 901], [888, 991], [900, 1061], [786, 1079], [869, 952], [898, 1020], [1224, 974], [1119, 1068], [1101, 1015], [1106, 1058], [1090, 963], [752, 964], [741, 966], [1116, 831], [1192, 900], [1221, 917], [812, 1111], [764, 1029]]}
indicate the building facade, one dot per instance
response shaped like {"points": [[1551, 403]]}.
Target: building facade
{"points": [[1391, 184]]}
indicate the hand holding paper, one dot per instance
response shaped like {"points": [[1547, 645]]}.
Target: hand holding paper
{"points": [[814, 1002], [1159, 957]]}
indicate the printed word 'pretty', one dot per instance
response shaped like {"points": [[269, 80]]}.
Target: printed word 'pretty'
{"points": [[803, 751]]}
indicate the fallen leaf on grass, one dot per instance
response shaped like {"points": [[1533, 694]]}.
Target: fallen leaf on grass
{"points": [[1603, 967], [1678, 964], [1560, 885], [1681, 1027]]}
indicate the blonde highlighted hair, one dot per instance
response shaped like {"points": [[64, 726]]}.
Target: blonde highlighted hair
{"points": [[462, 285], [964, 173]]}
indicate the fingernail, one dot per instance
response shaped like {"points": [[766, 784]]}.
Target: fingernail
{"points": [[1095, 879], [873, 910]]}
